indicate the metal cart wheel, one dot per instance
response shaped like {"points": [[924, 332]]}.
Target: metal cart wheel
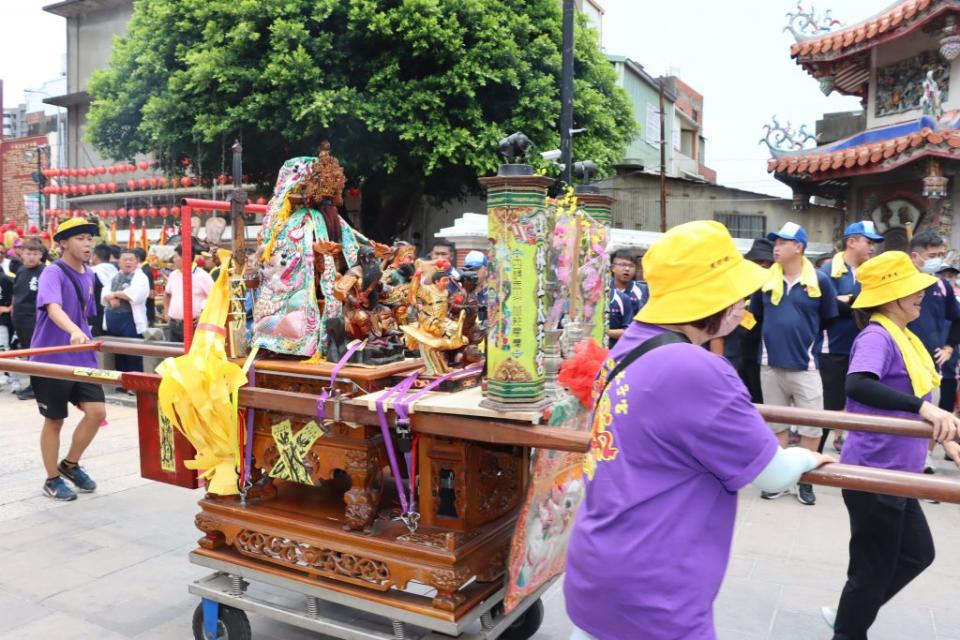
{"points": [[527, 624], [232, 624]]}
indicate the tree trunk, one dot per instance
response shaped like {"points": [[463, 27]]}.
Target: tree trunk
{"points": [[388, 208]]}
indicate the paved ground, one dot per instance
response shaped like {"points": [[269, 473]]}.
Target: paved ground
{"points": [[113, 565]]}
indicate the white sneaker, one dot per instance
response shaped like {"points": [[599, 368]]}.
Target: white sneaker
{"points": [[928, 465], [15, 385], [829, 615]]}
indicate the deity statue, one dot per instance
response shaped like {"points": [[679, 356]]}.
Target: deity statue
{"points": [[434, 331]]}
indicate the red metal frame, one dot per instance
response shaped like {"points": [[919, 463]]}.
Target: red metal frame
{"points": [[186, 241]]}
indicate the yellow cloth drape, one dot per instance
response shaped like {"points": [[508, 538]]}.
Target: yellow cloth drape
{"points": [[198, 393], [808, 279], [838, 266], [923, 373]]}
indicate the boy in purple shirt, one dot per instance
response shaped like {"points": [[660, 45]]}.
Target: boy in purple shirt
{"points": [[64, 301]]}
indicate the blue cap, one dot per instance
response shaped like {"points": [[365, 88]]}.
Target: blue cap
{"points": [[789, 231], [864, 228]]}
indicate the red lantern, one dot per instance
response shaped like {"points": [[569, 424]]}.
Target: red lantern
{"points": [[131, 168], [121, 213], [131, 185], [45, 235], [33, 229], [164, 212], [143, 184], [102, 188], [155, 182], [186, 182], [83, 172], [261, 200], [175, 212], [74, 190], [144, 165], [83, 189], [112, 170], [152, 212], [142, 213], [101, 170]]}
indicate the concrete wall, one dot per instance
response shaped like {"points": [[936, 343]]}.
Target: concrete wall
{"points": [[638, 205], [90, 40], [641, 95]]}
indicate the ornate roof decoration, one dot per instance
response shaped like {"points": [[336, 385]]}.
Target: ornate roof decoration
{"points": [[806, 24], [873, 151], [782, 138], [840, 59]]}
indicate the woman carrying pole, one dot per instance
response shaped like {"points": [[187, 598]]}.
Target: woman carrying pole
{"points": [[675, 436], [891, 374]]}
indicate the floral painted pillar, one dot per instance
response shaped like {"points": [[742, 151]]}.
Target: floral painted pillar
{"points": [[594, 251], [516, 290]]}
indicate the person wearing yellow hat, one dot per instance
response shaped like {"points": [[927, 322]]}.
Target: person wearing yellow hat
{"points": [[64, 302], [654, 531], [891, 373]]}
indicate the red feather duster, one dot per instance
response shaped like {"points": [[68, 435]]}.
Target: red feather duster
{"points": [[578, 373]]}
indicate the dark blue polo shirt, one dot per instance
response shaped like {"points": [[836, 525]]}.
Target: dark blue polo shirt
{"points": [[839, 335], [937, 312], [791, 328], [624, 305]]}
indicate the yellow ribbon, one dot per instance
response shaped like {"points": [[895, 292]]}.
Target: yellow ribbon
{"points": [[923, 373], [838, 266], [198, 394], [808, 279]]}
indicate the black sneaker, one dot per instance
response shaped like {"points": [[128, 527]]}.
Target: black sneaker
{"points": [[26, 394], [805, 494], [77, 476], [58, 490], [773, 495]]}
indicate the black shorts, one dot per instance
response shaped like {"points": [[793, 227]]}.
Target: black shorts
{"points": [[53, 395]]}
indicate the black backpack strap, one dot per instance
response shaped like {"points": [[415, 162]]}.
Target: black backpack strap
{"points": [[76, 287], [670, 337]]}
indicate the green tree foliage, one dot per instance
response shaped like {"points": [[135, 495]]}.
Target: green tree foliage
{"points": [[412, 94]]}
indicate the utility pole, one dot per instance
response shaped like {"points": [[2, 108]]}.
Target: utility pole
{"points": [[566, 93], [663, 161]]}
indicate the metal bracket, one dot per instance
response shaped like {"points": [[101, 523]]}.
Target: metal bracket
{"points": [[211, 618]]}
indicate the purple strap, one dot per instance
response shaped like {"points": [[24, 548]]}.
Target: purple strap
{"points": [[402, 407], [400, 389], [248, 445], [355, 346]]}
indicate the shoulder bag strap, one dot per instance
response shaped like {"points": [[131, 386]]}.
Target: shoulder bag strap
{"points": [[670, 337], [76, 287]]}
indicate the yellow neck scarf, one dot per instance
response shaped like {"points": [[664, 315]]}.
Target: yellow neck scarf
{"points": [[838, 266], [808, 279], [923, 374]]}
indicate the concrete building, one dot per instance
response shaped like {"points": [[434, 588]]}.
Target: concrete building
{"points": [[90, 28]]}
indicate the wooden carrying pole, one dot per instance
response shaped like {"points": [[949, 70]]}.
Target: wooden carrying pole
{"points": [[506, 432]]}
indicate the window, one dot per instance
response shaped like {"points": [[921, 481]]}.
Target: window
{"points": [[653, 125], [742, 225]]}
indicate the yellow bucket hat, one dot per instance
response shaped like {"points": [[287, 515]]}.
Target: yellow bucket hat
{"points": [[75, 226], [694, 271], [888, 277]]}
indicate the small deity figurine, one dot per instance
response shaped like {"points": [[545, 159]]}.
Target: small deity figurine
{"points": [[434, 331]]}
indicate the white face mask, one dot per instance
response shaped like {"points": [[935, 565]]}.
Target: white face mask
{"points": [[932, 265], [731, 319]]}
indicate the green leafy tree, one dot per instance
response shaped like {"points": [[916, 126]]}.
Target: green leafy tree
{"points": [[412, 94]]}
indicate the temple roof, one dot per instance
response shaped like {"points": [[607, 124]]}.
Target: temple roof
{"points": [[874, 151], [843, 55]]}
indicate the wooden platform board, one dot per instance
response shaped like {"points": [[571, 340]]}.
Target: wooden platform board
{"points": [[461, 403], [358, 373]]}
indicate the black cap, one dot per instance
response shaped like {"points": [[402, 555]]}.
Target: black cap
{"points": [[761, 251]]}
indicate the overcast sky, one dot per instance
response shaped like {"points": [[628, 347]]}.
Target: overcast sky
{"points": [[734, 53]]}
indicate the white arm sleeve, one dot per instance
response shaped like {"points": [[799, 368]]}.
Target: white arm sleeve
{"points": [[785, 469]]}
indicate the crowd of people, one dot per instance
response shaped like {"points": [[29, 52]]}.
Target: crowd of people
{"points": [[871, 335]]}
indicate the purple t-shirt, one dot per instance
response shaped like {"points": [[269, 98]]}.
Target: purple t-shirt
{"points": [[674, 438], [874, 351], [55, 287]]}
